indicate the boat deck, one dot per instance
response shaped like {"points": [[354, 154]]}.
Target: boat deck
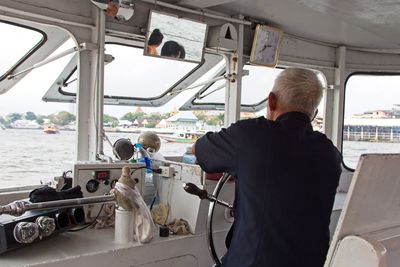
{"points": [[91, 247]]}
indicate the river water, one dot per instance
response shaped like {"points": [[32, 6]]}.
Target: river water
{"points": [[29, 156]]}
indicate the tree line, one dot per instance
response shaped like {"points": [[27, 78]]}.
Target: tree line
{"points": [[63, 118]]}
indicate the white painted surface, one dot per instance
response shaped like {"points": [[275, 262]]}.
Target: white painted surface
{"points": [[124, 222], [355, 251], [190, 207], [97, 248], [369, 227]]}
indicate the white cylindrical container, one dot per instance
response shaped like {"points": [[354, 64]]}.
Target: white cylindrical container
{"points": [[124, 221]]}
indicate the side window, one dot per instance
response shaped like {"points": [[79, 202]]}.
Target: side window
{"points": [[371, 116], [29, 155]]}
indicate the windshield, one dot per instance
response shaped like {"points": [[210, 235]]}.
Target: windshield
{"points": [[255, 87], [131, 74]]}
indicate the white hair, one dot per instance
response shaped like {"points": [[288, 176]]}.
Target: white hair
{"points": [[298, 90]]}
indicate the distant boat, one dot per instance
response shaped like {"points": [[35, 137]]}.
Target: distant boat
{"points": [[51, 130], [182, 137]]}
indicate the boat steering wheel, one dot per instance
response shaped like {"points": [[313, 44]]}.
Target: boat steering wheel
{"points": [[203, 194]]}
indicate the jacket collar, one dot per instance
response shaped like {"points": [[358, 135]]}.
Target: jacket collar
{"points": [[294, 115]]}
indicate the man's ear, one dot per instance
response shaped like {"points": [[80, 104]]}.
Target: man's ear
{"points": [[272, 101], [315, 115]]}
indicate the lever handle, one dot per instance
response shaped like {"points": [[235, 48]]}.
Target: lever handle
{"points": [[194, 190]]}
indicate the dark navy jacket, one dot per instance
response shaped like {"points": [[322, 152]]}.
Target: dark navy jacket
{"points": [[287, 175]]}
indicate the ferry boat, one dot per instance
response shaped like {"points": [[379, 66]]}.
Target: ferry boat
{"points": [[182, 137], [352, 45]]}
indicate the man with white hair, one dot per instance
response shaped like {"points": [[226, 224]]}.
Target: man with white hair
{"points": [[286, 178]]}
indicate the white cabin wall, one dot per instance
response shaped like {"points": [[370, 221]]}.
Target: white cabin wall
{"points": [[300, 51], [373, 61], [54, 12]]}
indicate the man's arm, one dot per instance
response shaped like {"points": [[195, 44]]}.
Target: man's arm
{"points": [[216, 152]]}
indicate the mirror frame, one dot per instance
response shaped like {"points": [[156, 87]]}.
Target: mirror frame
{"points": [[262, 28]]}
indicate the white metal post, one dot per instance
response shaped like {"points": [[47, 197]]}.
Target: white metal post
{"points": [[100, 79], [87, 95], [234, 86], [338, 97], [83, 107]]}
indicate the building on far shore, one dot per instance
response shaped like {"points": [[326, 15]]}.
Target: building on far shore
{"points": [[183, 120], [375, 125], [125, 124], [162, 124], [25, 124]]}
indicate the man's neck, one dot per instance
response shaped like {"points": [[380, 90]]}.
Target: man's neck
{"points": [[277, 113]]}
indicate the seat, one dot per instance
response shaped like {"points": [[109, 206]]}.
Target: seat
{"points": [[368, 229]]}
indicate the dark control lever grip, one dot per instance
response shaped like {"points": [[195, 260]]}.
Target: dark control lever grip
{"points": [[194, 190]]}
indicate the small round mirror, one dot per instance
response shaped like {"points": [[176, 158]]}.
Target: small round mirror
{"points": [[123, 149]]}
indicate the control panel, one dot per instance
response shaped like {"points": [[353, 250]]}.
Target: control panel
{"points": [[98, 178]]}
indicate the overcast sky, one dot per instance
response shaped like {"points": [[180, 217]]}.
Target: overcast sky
{"points": [[132, 74]]}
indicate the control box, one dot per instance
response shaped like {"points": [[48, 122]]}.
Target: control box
{"points": [[35, 225], [98, 178]]}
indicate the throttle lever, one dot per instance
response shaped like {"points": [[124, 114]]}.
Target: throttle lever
{"points": [[203, 194], [195, 190]]}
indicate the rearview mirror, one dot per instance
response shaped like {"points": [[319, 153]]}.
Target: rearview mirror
{"points": [[175, 38]]}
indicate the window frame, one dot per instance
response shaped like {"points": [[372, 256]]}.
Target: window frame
{"points": [[371, 73], [135, 98], [192, 105], [56, 93], [29, 53]]}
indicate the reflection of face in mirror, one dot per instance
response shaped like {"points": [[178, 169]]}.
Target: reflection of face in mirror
{"points": [[155, 40], [177, 38], [173, 49]]}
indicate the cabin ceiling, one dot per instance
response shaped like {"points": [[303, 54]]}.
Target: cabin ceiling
{"points": [[359, 23]]}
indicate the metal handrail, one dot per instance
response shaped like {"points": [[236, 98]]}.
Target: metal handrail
{"points": [[18, 208]]}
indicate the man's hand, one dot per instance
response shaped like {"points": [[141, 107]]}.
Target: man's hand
{"points": [[194, 148]]}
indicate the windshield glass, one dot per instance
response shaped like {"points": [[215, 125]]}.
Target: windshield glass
{"points": [[255, 86], [371, 116], [131, 74]]}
